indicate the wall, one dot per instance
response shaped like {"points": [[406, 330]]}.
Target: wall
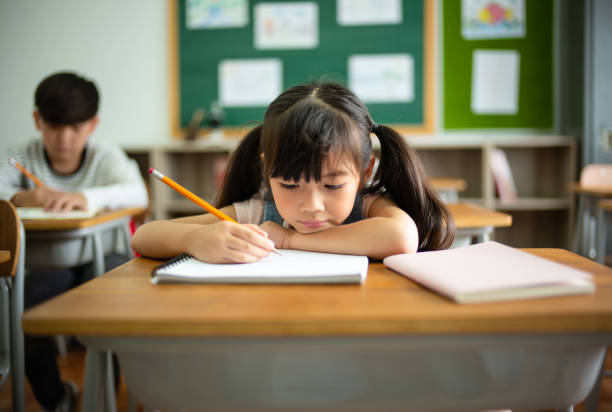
{"points": [[122, 45]]}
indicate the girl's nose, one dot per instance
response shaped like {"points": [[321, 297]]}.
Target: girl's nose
{"points": [[312, 201]]}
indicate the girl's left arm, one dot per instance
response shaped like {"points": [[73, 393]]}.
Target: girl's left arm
{"points": [[387, 230]]}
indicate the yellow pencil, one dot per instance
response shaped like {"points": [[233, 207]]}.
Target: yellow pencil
{"points": [[194, 198], [25, 171]]}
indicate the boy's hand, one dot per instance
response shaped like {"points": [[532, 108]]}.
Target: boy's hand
{"points": [[278, 234], [50, 199], [228, 242]]}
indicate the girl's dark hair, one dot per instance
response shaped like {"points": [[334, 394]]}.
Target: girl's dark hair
{"points": [[66, 98], [304, 125]]}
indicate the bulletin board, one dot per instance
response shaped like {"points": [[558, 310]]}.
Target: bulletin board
{"points": [[197, 53], [536, 73]]}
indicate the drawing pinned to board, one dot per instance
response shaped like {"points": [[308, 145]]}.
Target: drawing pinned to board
{"points": [[495, 81], [249, 82], [215, 14], [382, 78], [368, 12], [492, 19], [286, 25]]}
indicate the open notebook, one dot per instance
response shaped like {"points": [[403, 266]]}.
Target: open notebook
{"points": [[37, 213], [490, 271], [293, 266]]}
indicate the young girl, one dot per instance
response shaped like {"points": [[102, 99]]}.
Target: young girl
{"points": [[301, 180]]}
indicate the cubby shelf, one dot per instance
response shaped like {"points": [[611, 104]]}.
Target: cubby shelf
{"points": [[542, 167]]}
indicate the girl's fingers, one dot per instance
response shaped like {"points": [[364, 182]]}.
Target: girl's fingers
{"points": [[246, 247], [252, 234]]}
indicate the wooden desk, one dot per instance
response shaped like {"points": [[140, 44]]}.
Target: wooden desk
{"points": [[585, 230], [475, 223], [448, 188], [385, 345], [70, 242], [5, 255]]}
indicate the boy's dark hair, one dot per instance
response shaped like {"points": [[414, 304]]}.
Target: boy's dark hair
{"points": [[304, 125], [66, 98]]}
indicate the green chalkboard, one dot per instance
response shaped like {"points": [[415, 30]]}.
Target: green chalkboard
{"points": [[535, 96], [200, 52]]}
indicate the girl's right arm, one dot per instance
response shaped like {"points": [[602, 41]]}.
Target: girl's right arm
{"points": [[205, 237]]}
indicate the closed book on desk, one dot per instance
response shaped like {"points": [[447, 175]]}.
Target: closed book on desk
{"points": [[293, 266], [490, 271]]}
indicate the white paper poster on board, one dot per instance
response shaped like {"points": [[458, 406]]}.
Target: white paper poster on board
{"points": [[216, 14], [286, 25], [368, 12], [495, 81], [249, 82], [382, 78]]}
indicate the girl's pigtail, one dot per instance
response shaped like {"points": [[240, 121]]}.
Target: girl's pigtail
{"points": [[401, 174], [243, 177]]}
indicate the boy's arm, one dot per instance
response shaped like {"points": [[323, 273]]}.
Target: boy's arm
{"points": [[125, 187], [387, 230], [10, 180]]}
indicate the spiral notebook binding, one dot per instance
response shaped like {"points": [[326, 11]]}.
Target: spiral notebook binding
{"points": [[171, 262]]}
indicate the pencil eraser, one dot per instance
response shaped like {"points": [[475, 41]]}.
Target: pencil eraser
{"points": [[150, 170]]}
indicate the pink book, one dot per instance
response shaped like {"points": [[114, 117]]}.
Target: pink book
{"points": [[490, 271]]}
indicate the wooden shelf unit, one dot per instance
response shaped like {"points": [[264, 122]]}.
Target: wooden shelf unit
{"points": [[542, 167]]}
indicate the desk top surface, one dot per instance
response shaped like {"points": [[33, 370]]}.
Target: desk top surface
{"points": [[448, 183], [73, 224], [124, 303], [606, 205], [5, 256], [467, 215], [576, 187]]}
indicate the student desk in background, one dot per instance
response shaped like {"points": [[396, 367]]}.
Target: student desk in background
{"points": [[448, 188], [387, 344], [475, 224], [71, 242], [585, 230]]}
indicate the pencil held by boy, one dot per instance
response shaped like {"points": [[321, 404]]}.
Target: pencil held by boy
{"points": [[300, 180]]}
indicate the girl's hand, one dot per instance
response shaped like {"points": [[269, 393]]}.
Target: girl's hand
{"points": [[228, 242], [278, 234]]}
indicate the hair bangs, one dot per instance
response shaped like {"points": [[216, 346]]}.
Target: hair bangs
{"points": [[298, 143]]}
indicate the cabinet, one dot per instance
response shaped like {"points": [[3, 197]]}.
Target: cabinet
{"points": [[542, 167]]}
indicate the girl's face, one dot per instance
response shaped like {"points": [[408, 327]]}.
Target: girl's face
{"points": [[312, 206]]}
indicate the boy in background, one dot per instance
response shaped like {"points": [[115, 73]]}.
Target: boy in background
{"points": [[77, 174]]}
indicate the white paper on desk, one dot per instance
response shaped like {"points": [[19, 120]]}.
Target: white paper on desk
{"points": [[286, 25], [249, 82], [37, 213], [368, 12], [382, 78], [495, 81], [293, 266], [490, 271]]}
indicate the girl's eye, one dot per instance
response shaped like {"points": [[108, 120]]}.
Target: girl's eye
{"points": [[288, 185], [334, 187]]}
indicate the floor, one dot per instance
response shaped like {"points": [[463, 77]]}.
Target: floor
{"points": [[72, 369]]}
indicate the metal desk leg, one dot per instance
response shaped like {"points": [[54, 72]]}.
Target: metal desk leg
{"points": [[579, 227], [92, 383], [99, 269], [601, 235], [568, 409], [17, 349], [126, 235]]}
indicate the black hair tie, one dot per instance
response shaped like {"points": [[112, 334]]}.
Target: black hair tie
{"points": [[375, 128]]}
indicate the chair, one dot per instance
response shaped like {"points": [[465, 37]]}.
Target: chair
{"points": [[12, 283]]}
